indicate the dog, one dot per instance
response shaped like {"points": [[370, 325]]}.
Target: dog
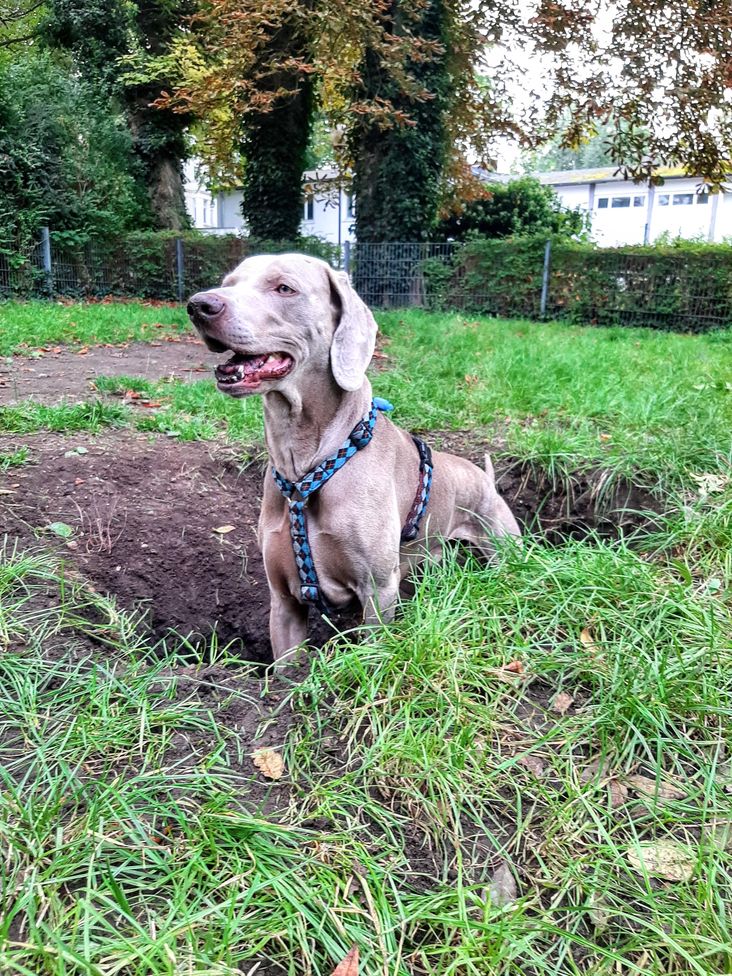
{"points": [[351, 502]]}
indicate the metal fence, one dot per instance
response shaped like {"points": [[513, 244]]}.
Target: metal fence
{"points": [[684, 288]]}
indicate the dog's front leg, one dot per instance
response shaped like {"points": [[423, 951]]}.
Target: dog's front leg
{"points": [[288, 624]]}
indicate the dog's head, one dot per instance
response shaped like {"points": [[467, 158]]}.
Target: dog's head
{"points": [[281, 315]]}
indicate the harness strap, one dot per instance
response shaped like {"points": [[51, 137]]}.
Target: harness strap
{"points": [[411, 526], [314, 480]]}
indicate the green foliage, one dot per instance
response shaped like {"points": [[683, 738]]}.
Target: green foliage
{"points": [[398, 167], [684, 286], [65, 155], [521, 207], [592, 150], [144, 264], [107, 39]]}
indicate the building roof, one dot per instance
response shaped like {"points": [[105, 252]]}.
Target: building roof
{"points": [[603, 174]]}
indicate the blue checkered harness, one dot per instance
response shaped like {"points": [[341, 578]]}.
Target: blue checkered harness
{"points": [[312, 482]]}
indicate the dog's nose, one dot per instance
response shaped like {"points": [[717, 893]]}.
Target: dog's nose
{"points": [[205, 306]]}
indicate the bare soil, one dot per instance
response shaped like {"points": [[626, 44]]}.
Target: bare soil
{"points": [[68, 373], [145, 511]]}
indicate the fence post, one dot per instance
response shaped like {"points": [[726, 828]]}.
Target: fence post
{"points": [[545, 279], [347, 257], [180, 268], [46, 258]]}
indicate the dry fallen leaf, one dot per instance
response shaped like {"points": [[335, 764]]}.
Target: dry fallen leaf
{"points": [[515, 667], [561, 702], [618, 793], [710, 484], [588, 641], [223, 529], [534, 764], [598, 911], [348, 966], [663, 859], [502, 889], [650, 788], [269, 762]]}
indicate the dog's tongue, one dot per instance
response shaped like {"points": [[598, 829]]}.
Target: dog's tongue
{"points": [[252, 368]]}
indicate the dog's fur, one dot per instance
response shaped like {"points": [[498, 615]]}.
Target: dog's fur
{"points": [[355, 520]]}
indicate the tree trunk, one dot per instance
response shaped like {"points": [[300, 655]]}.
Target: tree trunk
{"points": [[398, 169], [275, 142]]}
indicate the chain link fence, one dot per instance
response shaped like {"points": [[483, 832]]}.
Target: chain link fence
{"points": [[687, 288]]}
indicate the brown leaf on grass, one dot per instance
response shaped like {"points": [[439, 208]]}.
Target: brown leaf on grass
{"points": [[533, 763], [588, 641], [502, 889], [514, 667], [665, 859], [648, 787], [561, 702], [471, 379], [269, 763], [83, 351], [348, 966], [618, 793], [598, 911]]}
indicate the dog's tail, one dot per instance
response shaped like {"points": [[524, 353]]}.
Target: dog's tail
{"points": [[491, 474]]}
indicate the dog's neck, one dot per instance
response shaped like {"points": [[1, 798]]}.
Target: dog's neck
{"points": [[302, 427]]}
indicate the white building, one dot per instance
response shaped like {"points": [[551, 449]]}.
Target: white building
{"points": [[621, 212], [327, 207]]}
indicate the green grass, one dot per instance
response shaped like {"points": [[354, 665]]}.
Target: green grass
{"points": [[123, 856], [25, 326], [191, 411], [94, 416], [13, 459], [651, 405], [419, 762]]}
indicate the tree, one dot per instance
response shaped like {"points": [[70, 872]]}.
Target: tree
{"points": [[411, 85], [113, 42], [520, 207], [592, 151], [65, 154]]}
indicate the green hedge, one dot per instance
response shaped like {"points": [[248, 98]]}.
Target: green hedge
{"points": [[683, 286], [141, 265]]}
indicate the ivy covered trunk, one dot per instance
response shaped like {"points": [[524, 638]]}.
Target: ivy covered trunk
{"points": [[398, 168], [158, 143], [275, 143]]}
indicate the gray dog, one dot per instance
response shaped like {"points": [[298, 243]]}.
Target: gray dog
{"points": [[351, 502]]}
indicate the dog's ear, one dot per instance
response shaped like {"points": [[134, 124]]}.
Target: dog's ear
{"points": [[355, 333]]}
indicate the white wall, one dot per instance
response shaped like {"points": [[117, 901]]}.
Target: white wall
{"points": [[621, 209]]}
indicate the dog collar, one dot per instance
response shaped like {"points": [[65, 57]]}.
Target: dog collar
{"points": [[314, 480]]}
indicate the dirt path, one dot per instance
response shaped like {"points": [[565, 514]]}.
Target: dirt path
{"points": [[68, 372]]}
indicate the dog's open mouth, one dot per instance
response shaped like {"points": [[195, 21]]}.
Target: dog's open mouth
{"points": [[244, 374]]}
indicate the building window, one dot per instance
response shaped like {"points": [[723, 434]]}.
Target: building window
{"points": [[602, 203], [205, 213], [309, 206], [683, 199], [350, 206], [619, 202], [663, 200], [638, 201], [702, 197]]}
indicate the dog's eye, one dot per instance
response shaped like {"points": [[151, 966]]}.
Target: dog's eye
{"points": [[284, 290]]}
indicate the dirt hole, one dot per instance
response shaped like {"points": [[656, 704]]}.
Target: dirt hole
{"points": [[144, 514]]}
